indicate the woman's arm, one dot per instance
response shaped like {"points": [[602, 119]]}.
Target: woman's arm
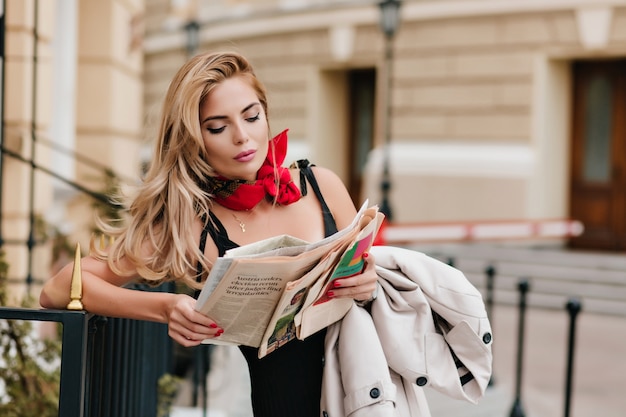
{"points": [[104, 294]]}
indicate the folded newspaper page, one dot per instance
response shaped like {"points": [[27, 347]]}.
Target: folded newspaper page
{"points": [[260, 293]]}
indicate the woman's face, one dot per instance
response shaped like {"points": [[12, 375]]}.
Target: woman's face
{"points": [[234, 129]]}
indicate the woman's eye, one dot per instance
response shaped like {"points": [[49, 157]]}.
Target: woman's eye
{"points": [[216, 130], [253, 118]]}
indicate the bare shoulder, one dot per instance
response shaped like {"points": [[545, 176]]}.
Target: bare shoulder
{"points": [[326, 177], [336, 195]]}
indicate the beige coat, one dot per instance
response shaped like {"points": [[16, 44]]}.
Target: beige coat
{"points": [[428, 327]]}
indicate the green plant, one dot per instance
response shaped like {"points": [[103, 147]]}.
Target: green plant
{"points": [[110, 211], [168, 387], [29, 372]]}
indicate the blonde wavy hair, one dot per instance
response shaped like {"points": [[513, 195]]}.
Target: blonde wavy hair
{"points": [[155, 242]]}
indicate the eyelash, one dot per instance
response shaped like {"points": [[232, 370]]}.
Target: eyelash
{"points": [[221, 129], [216, 131], [253, 118]]}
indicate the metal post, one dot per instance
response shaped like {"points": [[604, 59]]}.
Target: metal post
{"points": [[385, 184], [2, 102], [389, 22], [73, 364], [490, 272], [202, 365], [573, 307], [517, 410], [31, 241]]}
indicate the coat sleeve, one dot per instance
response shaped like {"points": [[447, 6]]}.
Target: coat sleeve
{"points": [[356, 381], [432, 323]]}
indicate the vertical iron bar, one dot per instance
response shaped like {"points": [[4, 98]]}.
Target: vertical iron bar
{"points": [[195, 377], [208, 350], [490, 273], [73, 364], [108, 396], [135, 367], [30, 243], [200, 377], [96, 390], [573, 306], [2, 103], [124, 367], [517, 410]]}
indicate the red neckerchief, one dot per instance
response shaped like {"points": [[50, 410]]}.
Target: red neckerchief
{"points": [[244, 195]]}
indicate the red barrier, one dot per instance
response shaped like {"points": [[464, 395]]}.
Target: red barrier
{"points": [[393, 233]]}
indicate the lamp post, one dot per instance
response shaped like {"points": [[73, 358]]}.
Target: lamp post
{"points": [[192, 28], [389, 21]]}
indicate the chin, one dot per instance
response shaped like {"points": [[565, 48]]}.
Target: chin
{"points": [[250, 173]]}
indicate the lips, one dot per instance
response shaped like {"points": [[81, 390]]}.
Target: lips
{"points": [[245, 156]]}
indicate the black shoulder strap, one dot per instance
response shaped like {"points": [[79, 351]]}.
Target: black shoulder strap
{"points": [[306, 173], [218, 233], [203, 237]]}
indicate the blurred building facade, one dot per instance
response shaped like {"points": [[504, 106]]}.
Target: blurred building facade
{"points": [[72, 109], [500, 109]]}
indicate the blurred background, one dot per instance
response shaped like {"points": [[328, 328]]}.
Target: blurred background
{"points": [[491, 132]]}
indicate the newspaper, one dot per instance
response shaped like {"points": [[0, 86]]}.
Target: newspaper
{"points": [[273, 291]]}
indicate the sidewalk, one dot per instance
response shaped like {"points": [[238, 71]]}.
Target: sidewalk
{"points": [[599, 372]]}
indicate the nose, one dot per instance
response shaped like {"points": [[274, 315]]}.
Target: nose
{"points": [[240, 135]]}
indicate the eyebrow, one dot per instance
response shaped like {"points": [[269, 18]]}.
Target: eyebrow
{"points": [[245, 109]]}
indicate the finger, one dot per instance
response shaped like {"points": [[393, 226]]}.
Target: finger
{"points": [[195, 332], [185, 315], [201, 329], [191, 330], [190, 314], [370, 261], [188, 338], [356, 292], [365, 279]]}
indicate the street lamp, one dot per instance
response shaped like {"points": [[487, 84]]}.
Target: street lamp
{"points": [[192, 28], [389, 21], [389, 16]]}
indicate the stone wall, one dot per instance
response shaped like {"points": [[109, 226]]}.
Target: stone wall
{"points": [[481, 94]]}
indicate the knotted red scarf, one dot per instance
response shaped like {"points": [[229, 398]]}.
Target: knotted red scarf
{"points": [[244, 195]]}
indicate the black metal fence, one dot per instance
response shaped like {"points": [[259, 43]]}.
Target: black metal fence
{"points": [[110, 367]]}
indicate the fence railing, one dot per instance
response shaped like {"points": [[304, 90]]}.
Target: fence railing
{"points": [[109, 366], [74, 352]]}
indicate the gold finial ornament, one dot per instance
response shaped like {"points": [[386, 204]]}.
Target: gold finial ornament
{"points": [[76, 286]]}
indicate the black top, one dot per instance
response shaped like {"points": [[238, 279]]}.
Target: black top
{"points": [[287, 382]]}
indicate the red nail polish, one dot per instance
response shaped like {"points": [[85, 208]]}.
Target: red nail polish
{"points": [[330, 294], [365, 254], [213, 325], [336, 284]]}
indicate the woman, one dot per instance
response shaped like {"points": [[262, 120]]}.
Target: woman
{"points": [[216, 179]]}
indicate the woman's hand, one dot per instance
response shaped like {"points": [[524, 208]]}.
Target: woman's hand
{"points": [[361, 287], [188, 326]]}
